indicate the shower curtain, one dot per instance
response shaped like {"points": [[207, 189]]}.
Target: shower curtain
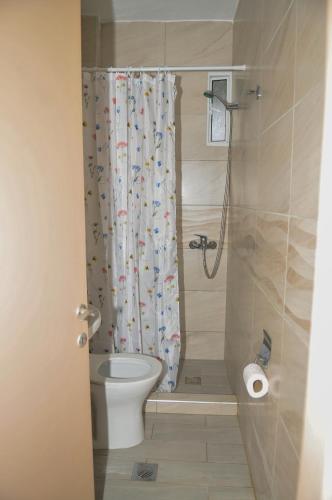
{"points": [[129, 157]]}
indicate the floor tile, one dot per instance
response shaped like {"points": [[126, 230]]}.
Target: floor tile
{"points": [[223, 421], [226, 453], [231, 494], [127, 490], [166, 432], [204, 474]]}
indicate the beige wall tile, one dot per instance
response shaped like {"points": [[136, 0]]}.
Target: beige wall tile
{"points": [[247, 33], [191, 272], [191, 139], [278, 72], [293, 383], [274, 167], [307, 153], [262, 476], [273, 13], [276, 182], [286, 469], [89, 37], [242, 233], [243, 172], [202, 311], [201, 182], [199, 43], [268, 318], [194, 219], [132, 44], [310, 50], [190, 87], [203, 345], [300, 274], [270, 256]]}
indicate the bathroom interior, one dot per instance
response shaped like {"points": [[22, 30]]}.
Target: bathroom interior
{"points": [[219, 105]]}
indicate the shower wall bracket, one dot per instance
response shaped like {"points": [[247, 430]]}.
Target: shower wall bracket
{"points": [[264, 355]]}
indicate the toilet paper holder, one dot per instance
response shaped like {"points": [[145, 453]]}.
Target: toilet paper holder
{"points": [[264, 355]]}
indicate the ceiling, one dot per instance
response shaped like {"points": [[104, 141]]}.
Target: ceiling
{"points": [[160, 10]]}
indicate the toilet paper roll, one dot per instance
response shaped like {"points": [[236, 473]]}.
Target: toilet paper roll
{"points": [[255, 380]]}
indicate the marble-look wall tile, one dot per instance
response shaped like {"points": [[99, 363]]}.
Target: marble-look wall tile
{"points": [[273, 213], [270, 256], [307, 153], [239, 318], [265, 411], [242, 233], [203, 345], [286, 467], [90, 40], [191, 273], [273, 13], [310, 50], [274, 166], [132, 44], [278, 72], [201, 182], [293, 384], [198, 43], [190, 88], [248, 27], [300, 274], [194, 219], [191, 139], [202, 311], [261, 474]]}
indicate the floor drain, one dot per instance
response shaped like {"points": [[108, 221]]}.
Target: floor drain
{"points": [[193, 380], [144, 472]]}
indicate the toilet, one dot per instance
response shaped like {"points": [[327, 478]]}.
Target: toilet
{"points": [[119, 385]]}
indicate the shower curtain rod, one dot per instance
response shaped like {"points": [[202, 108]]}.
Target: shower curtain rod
{"points": [[176, 69]]}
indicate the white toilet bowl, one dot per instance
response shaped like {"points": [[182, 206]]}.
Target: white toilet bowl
{"points": [[119, 385]]}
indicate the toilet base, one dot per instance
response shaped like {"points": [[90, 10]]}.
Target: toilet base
{"points": [[115, 426]]}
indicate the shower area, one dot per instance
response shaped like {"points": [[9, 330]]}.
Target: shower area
{"points": [[195, 202]]}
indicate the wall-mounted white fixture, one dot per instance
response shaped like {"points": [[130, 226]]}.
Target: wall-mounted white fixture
{"points": [[219, 83], [257, 92]]}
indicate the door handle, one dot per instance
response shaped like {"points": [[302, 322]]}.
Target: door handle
{"points": [[92, 315]]}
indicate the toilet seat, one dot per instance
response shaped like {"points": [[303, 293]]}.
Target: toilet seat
{"points": [[140, 367]]}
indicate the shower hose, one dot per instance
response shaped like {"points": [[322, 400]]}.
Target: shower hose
{"points": [[212, 274]]}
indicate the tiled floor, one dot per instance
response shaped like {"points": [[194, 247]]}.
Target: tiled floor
{"points": [[199, 458], [198, 376]]}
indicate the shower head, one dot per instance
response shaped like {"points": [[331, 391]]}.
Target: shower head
{"points": [[230, 106], [209, 94]]}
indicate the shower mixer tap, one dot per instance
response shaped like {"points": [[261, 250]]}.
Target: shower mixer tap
{"points": [[203, 243]]}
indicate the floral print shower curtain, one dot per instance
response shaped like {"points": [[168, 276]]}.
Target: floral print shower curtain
{"points": [[129, 156]]}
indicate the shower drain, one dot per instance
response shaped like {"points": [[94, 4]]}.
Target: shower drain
{"points": [[193, 380], [144, 472]]}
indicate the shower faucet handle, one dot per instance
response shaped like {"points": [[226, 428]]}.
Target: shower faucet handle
{"points": [[203, 243], [203, 238]]}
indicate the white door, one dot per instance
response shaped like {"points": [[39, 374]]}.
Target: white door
{"points": [[45, 429]]}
